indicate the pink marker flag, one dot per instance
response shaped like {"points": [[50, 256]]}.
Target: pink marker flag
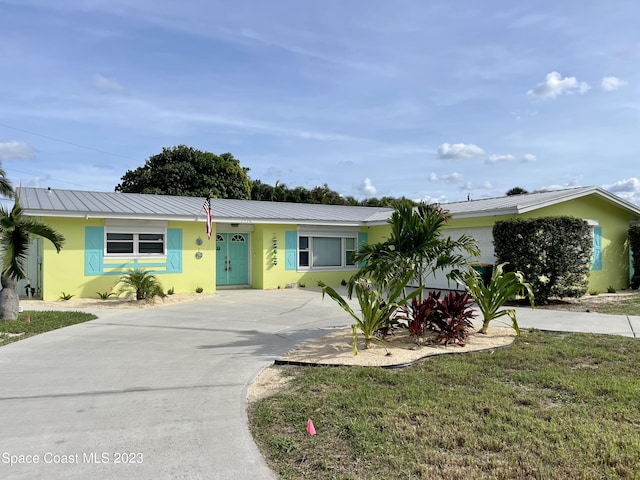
{"points": [[310, 428]]}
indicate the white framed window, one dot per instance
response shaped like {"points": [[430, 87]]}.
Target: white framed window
{"points": [[326, 252], [128, 241]]}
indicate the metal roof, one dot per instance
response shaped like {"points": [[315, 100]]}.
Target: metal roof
{"points": [[75, 203], [516, 204]]}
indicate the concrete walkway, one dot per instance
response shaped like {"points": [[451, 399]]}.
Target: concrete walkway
{"points": [[161, 393]]}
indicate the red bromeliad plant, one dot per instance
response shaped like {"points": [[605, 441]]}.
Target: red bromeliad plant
{"points": [[417, 314], [453, 318], [450, 318]]}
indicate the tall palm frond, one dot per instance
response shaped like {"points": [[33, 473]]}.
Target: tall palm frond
{"points": [[16, 230], [6, 188]]}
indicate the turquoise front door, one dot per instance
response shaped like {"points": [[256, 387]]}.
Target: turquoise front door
{"points": [[232, 259]]}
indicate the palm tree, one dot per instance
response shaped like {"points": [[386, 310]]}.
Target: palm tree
{"points": [[5, 185], [416, 244], [16, 230]]}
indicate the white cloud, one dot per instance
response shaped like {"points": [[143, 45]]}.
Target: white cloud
{"points": [[629, 189], [37, 181], [454, 177], [529, 157], [108, 85], [459, 150], [554, 85], [487, 185], [627, 185], [367, 188], [500, 158], [612, 83], [428, 199], [14, 150]]}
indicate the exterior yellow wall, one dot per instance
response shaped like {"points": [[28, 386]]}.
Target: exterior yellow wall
{"points": [[65, 272], [613, 220], [266, 275]]}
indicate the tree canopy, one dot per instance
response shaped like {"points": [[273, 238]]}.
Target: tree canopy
{"points": [[186, 171], [516, 191]]}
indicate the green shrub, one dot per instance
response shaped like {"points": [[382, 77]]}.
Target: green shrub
{"points": [[553, 253], [65, 296], [140, 282], [594, 292], [171, 291], [634, 245], [199, 290], [611, 289]]}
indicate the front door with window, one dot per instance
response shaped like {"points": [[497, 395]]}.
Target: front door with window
{"points": [[232, 259]]}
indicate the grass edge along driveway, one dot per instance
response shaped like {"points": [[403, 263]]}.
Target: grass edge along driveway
{"points": [[552, 406], [39, 322]]}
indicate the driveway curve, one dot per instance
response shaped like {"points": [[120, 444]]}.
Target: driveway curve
{"points": [[152, 393]]}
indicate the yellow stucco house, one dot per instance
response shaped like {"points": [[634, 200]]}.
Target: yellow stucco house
{"points": [[269, 245]]}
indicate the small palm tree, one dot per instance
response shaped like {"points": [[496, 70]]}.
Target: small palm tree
{"points": [[16, 230], [141, 282], [376, 307], [491, 297], [417, 244]]}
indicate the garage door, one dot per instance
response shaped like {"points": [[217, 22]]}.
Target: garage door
{"points": [[484, 236]]}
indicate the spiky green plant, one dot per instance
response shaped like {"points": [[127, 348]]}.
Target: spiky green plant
{"points": [[376, 307], [490, 298], [142, 283]]}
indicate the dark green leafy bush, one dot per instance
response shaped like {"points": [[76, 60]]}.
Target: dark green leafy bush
{"points": [[634, 244], [553, 253]]}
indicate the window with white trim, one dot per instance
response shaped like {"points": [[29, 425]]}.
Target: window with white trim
{"points": [[326, 252], [135, 242]]}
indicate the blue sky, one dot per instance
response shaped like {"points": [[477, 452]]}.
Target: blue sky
{"points": [[431, 100]]}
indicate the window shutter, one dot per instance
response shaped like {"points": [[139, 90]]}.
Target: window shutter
{"points": [[363, 237], [93, 250], [291, 250], [174, 250], [597, 249]]}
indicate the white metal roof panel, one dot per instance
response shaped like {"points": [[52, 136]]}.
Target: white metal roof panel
{"points": [[54, 202]]}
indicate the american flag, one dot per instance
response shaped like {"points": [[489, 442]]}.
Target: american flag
{"points": [[207, 209]]}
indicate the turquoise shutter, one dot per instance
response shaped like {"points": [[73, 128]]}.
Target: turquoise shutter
{"points": [[93, 250], [363, 237], [174, 250], [597, 249], [291, 250]]}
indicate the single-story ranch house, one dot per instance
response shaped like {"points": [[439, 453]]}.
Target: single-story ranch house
{"points": [[269, 245]]}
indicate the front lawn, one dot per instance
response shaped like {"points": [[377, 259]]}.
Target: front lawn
{"points": [[622, 306], [551, 406], [40, 322]]}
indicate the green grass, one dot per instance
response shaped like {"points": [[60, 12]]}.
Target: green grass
{"points": [[40, 322], [622, 306], [551, 406]]}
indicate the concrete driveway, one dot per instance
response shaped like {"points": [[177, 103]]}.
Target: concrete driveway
{"points": [[161, 393], [153, 393]]}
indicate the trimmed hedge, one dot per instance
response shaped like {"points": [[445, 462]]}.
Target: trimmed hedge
{"points": [[634, 244], [553, 253]]}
